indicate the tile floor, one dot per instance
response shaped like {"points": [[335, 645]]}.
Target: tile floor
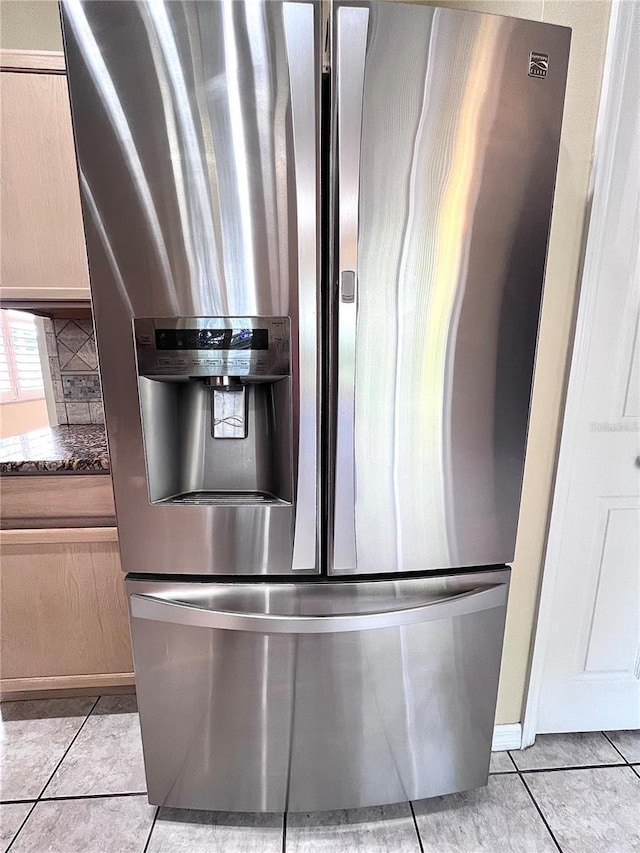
{"points": [[73, 782]]}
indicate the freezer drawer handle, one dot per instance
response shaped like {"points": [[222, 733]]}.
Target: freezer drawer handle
{"points": [[181, 613]]}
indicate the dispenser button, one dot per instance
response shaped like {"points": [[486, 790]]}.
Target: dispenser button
{"points": [[166, 362]]}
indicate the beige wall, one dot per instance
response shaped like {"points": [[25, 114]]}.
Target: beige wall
{"points": [[16, 418], [35, 25], [30, 25]]}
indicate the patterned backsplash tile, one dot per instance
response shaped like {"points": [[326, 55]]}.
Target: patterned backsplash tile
{"points": [[81, 387], [73, 363]]}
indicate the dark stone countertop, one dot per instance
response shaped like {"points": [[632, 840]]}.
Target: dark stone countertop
{"points": [[56, 450]]}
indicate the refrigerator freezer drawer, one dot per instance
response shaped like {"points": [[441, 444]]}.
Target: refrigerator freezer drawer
{"points": [[304, 697]]}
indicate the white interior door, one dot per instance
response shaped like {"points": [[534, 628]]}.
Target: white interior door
{"points": [[586, 669]]}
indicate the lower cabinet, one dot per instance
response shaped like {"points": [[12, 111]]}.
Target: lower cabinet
{"points": [[63, 620]]}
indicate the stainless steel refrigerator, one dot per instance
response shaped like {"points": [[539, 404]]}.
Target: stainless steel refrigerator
{"points": [[317, 236]]}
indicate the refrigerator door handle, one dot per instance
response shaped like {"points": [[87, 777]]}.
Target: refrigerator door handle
{"points": [[352, 26], [299, 30], [182, 613]]}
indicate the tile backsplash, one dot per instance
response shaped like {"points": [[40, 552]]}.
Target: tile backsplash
{"points": [[73, 363]]}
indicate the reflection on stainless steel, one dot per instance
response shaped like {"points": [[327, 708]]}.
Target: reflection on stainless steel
{"points": [[316, 696], [113, 107], [198, 156], [456, 176]]}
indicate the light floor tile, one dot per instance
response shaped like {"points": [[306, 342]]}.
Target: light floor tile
{"points": [[100, 825], [183, 831], [500, 818], [501, 763], [34, 737], [11, 817], [566, 750], [595, 810], [382, 829], [628, 743], [107, 757]]}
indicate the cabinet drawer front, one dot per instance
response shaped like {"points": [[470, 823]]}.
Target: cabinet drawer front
{"points": [[70, 500]]}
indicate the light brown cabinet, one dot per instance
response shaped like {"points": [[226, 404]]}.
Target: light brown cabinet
{"points": [[43, 251], [63, 611]]}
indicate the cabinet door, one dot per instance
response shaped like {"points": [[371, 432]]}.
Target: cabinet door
{"points": [[43, 252], [64, 611]]}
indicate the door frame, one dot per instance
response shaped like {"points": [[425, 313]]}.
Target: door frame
{"points": [[617, 85]]}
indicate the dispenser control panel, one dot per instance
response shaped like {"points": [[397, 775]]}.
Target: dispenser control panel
{"points": [[212, 339], [213, 346]]}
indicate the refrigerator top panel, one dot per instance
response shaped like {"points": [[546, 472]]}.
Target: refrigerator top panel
{"points": [[197, 137], [446, 127]]}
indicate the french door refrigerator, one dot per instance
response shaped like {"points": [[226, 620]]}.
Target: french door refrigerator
{"points": [[317, 236]]}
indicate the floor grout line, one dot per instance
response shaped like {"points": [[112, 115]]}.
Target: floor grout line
{"points": [[539, 810], [571, 767], [512, 759], [66, 752], [73, 797], [624, 757], [93, 796], [153, 826], [415, 824], [18, 802], [27, 816]]}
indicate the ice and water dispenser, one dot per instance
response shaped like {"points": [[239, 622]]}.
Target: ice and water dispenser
{"points": [[215, 397]]}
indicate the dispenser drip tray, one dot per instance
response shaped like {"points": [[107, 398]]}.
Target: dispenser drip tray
{"points": [[224, 498]]}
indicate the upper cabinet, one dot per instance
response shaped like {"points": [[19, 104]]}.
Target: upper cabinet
{"points": [[43, 253]]}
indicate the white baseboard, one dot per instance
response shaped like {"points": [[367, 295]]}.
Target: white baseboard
{"points": [[507, 736]]}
